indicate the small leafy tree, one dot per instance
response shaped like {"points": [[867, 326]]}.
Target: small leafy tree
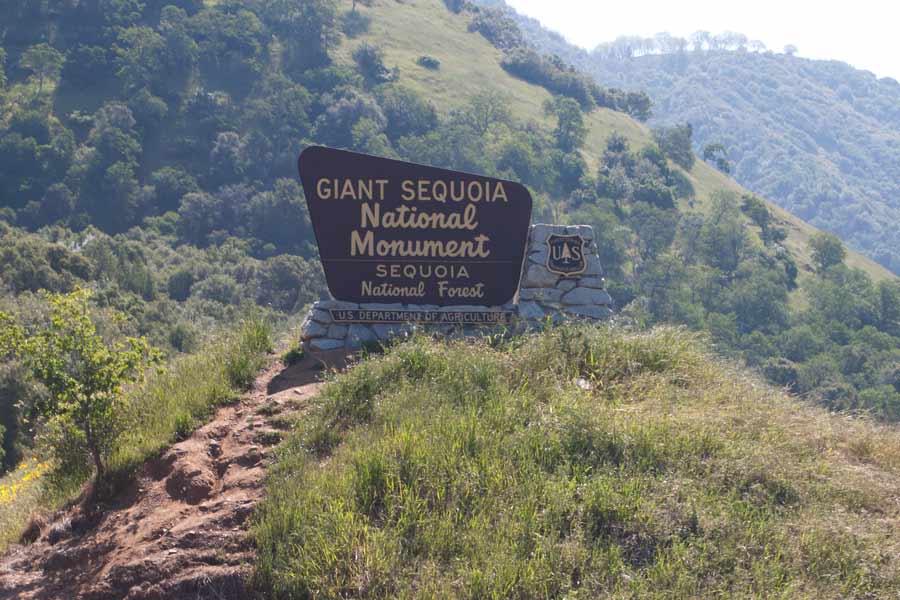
{"points": [[570, 129], [715, 153], [44, 62], [675, 143], [83, 373], [827, 251]]}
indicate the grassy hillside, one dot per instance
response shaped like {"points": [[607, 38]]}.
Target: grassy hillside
{"points": [[580, 464], [410, 29]]}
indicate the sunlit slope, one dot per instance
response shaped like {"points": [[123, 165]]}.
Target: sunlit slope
{"points": [[579, 463], [470, 64]]}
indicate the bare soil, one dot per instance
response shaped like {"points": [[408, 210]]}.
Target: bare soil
{"points": [[180, 529]]}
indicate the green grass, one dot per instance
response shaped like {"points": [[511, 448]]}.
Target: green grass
{"points": [[166, 408], [470, 64], [460, 471]]}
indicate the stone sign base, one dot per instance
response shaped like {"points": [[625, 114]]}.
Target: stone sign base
{"points": [[544, 296], [321, 332]]}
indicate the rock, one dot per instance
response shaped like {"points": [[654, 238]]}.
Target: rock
{"points": [[325, 345], [63, 559], [313, 329], [537, 276], [586, 296], [594, 268], [360, 334], [59, 531], [335, 305], [252, 456], [321, 316], [585, 231], [337, 332], [121, 578], [567, 285], [214, 449], [591, 312], [592, 282], [377, 306], [464, 308], [539, 256], [541, 231], [552, 295], [33, 529], [531, 311], [190, 482]]}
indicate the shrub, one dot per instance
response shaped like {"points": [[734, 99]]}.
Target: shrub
{"points": [[498, 28], [370, 61], [429, 62], [552, 74], [457, 6], [355, 23], [83, 373]]}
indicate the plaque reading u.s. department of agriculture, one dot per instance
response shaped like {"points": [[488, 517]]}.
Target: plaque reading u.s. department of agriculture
{"points": [[396, 232]]}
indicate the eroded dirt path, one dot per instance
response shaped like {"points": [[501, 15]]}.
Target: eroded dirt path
{"points": [[180, 530]]}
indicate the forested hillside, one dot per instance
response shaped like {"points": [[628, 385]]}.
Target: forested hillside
{"points": [[148, 153], [818, 137]]}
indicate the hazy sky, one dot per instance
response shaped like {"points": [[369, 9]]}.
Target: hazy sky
{"points": [[863, 33]]}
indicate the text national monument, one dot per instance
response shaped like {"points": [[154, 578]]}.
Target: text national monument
{"points": [[405, 245]]}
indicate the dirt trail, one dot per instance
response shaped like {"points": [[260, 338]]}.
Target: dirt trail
{"points": [[179, 531]]}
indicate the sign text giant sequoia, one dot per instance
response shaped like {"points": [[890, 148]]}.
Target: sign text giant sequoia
{"points": [[396, 232]]}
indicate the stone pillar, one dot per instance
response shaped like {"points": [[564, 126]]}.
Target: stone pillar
{"points": [[545, 294]]}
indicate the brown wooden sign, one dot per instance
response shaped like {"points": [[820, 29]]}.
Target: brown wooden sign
{"points": [[400, 233]]}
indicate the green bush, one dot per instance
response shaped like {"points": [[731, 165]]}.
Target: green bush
{"points": [[355, 23], [429, 62], [84, 374]]}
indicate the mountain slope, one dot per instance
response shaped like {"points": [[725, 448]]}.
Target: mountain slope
{"points": [[819, 137], [411, 29]]}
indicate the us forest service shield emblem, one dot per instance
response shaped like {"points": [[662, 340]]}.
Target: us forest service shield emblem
{"points": [[566, 256]]}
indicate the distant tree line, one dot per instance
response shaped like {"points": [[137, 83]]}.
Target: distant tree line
{"points": [[627, 47]]}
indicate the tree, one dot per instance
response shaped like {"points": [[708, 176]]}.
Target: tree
{"points": [[570, 128], [308, 28], [370, 62], [140, 57], [83, 373], [758, 212], [407, 113], [716, 154], [700, 40], [486, 109], [675, 143], [171, 184], [791, 49], [827, 251], [44, 62]]}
